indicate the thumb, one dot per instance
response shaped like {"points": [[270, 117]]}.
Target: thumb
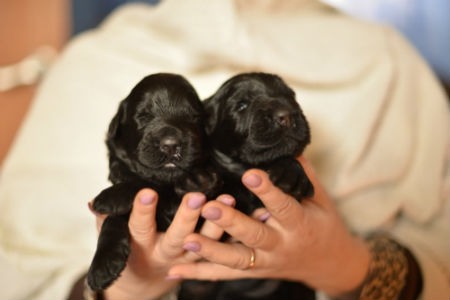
{"points": [[142, 222], [321, 197]]}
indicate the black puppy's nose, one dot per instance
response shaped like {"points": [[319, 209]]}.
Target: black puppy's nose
{"points": [[169, 145], [282, 117]]}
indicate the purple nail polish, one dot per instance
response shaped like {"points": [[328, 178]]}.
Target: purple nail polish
{"points": [[264, 217], [212, 213], [252, 180], [192, 246], [227, 200], [147, 199], [173, 277], [195, 201]]}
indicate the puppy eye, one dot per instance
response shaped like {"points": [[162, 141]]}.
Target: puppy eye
{"points": [[241, 105]]}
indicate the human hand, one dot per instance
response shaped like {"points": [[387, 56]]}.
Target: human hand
{"points": [[306, 242], [153, 253]]}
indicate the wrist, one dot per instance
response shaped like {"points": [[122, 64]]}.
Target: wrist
{"points": [[351, 271], [155, 291], [393, 272], [390, 269]]}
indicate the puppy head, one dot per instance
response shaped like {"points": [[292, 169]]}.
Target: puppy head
{"points": [[254, 118], [157, 133]]}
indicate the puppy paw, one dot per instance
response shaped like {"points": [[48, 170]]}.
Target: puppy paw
{"points": [[104, 204], [115, 200], [305, 188], [106, 268], [112, 253], [289, 176], [205, 181]]}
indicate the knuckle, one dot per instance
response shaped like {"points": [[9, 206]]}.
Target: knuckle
{"points": [[208, 255], [256, 237], [139, 230], [240, 263], [282, 207], [173, 244]]}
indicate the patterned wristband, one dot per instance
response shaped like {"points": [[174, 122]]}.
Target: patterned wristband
{"points": [[387, 271]]}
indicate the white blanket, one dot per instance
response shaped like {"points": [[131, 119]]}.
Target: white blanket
{"points": [[380, 126]]}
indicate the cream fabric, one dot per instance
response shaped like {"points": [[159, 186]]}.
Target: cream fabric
{"points": [[380, 126]]}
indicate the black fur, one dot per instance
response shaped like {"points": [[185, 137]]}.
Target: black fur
{"points": [[156, 140], [254, 120]]}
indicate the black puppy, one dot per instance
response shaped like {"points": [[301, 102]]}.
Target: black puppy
{"points": [[254, 120], [156, 140]]}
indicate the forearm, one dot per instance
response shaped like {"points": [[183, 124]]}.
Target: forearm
{"points": [[350, 271], [393, 272], [26, 25]]}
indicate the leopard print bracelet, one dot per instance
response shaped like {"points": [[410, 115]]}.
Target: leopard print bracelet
{"points": [[387, 271]]}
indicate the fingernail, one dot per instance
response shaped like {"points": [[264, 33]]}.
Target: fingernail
{"points": [[252, 180], [147, 199], [264, 217], [192, 246], [212, 213], [173, 277], [196, 200], [226, 199]]}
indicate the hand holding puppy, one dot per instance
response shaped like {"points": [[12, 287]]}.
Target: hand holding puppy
{"points": [[153, 253], [305, 242]]}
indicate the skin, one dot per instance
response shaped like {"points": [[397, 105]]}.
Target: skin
{"points": [[305, 242], [26, 25], [153, 253]]}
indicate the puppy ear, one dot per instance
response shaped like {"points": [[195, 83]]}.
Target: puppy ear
{"points": [[211, 106], [118, 157], [119, 118]]}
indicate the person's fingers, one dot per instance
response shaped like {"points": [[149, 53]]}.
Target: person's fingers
{"points": [[282, 207], [211, 230], [142, 223], [183, 224], [319, 192], [209, 271], [233, 255], [261, 214], [241, 227]]}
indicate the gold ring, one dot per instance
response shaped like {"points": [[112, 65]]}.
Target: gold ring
{"points": [[251, 265]]}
